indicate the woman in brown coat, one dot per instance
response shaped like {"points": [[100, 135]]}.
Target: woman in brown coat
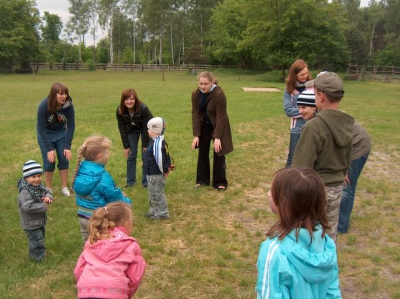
{"points": [[210, 122]]}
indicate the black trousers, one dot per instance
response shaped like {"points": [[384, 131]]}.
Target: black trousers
{"points": [[203, 161]]}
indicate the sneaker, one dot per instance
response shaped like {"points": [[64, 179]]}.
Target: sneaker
{"points": [[65, 191]]}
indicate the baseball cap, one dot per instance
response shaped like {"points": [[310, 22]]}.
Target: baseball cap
{"points": [[329, 83]]}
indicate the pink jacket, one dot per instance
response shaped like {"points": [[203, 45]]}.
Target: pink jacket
{"points": [[111, 268]]}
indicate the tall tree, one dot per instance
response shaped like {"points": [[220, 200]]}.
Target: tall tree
{"points": [[79, 21], [278, 32], [51, 28], [19, 38], [130, 8], [228, 24], [107, 10]]}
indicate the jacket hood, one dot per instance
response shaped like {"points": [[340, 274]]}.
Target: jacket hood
{"points": [[67, 104], [342, 134], [314, 262], [89, 175], [109, 249]]}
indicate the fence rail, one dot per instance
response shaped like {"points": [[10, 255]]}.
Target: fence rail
{"points": [[382, 73], [190, 68]]}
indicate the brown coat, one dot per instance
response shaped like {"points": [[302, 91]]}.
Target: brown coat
{"points": [[217, 112]]}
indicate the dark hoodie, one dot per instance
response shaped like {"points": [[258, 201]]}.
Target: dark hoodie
{"points": [[325, 145], [63, 120]]}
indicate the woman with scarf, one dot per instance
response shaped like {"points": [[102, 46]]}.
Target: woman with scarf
{"points": [[210, 122], [298, 74]]}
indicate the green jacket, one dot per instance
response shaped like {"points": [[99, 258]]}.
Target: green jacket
{"points": [[325, 145]]}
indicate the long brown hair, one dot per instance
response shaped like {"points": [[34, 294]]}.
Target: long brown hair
{"points": [[105, 219], [126, 94], [299, 195], [52, 97], [291, 79], [89, 150]]}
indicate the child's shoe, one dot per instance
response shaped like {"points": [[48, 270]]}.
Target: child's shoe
{"points": [[65, 191]]}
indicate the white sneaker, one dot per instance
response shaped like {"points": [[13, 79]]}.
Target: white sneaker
{"points": [[65, 191]]}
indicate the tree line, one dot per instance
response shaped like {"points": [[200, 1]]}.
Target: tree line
{"points": [[241, 33]]}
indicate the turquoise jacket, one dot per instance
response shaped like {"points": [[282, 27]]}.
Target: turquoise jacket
{"points": [[94, 188], [290, 269]]}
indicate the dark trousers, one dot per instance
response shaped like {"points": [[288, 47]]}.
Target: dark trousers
{"points": [[203, 162], [37, 249]]}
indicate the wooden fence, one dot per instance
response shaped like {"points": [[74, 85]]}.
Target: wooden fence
{"points": [[189, 68], [382, 73]]}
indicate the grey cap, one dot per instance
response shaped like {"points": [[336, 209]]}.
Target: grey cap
{"points": [[329, 83]]}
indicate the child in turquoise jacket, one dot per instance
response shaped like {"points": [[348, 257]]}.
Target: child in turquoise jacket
{"points": [[298, 260]]}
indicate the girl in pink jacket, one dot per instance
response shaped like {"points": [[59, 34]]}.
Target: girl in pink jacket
{"points": [[111, 264]]}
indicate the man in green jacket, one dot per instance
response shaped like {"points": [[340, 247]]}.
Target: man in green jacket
{"points": [[326, 142]]}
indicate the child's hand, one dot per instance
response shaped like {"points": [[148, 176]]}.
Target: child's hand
{"points": [[47, 200], [124, 194], [166, 174]]}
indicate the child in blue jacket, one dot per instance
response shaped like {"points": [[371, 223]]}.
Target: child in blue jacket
{"points": [[298, 259], [157, 165], [93, 185]]}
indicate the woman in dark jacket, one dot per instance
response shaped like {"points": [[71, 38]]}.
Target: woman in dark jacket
{"points": [[132, 117], [55, 130], [210, 122]]}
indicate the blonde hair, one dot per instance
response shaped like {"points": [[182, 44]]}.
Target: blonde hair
{"points": [[105, 219], [209, 76], [89, 150]]}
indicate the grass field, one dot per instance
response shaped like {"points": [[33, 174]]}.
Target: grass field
{"points": [[209, 247]]}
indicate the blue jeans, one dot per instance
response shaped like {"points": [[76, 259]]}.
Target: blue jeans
{"points": [[349, 192], [157, 199], [294, 139], [133, 138], [57, 140], [37, 249]]}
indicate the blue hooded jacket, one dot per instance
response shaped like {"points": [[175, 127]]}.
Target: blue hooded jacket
{"points": [[94, 188], [290, 269]]}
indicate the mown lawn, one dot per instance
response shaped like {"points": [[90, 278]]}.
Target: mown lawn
{"points": [[209, 247]]}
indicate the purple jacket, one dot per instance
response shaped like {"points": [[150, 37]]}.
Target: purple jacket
{"points": [[111, 268]]}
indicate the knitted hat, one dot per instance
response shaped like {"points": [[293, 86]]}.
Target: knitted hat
{"points": [[157, 125], [307, 98], [30, 168], [329, 83]]}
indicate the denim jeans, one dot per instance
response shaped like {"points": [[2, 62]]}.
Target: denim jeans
{"points": [[349, 192], [37, 249], [294, 139], [133, 138], [157, 199], [57, 140]]}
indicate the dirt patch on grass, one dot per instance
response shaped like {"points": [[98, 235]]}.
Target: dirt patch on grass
{"points": [[384, 166], [261, 89]]}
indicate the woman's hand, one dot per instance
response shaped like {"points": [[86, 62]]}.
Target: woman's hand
{"points": [[127, 152], [195, 143], [67, 154], [217, 145], [51, 156]]}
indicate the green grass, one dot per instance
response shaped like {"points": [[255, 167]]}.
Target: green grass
{"points": [[209, 247]]}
